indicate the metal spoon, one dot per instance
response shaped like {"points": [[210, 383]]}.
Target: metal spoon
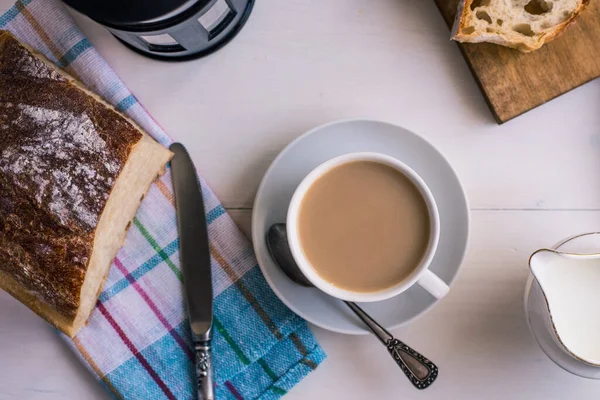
{"points": [[419, 370]]}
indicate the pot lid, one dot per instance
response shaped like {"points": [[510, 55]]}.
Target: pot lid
{"points": [[137, 13]]}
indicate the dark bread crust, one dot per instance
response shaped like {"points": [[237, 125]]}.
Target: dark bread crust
{"points": [[61, 151]]}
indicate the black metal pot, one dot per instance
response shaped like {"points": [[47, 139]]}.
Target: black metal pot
{"points": [[169, 29]]}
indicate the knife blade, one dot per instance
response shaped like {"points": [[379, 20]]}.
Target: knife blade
{"points": [[194, 257]]}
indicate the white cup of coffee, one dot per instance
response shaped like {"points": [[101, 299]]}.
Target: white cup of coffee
{"points": [[364, 227]]}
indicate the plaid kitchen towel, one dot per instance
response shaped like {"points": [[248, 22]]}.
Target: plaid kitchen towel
{"points": [[138, 342]]}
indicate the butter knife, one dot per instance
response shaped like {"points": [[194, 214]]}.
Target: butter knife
{"points": [[194, 256]]}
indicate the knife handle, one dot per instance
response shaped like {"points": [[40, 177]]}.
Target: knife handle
{"points": [[204, 370]]}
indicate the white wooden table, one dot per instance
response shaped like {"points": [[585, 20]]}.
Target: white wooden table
{"points": [[298, 64]]}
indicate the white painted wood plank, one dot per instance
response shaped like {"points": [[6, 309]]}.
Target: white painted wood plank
{"points": [[298, 64], [243, 219], [35, 363], [477, 335]]}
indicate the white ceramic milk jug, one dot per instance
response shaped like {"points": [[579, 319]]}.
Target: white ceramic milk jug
{"points": [[571, 287]]}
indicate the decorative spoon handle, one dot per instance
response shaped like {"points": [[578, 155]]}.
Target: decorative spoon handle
{"points": [[418, 369]]}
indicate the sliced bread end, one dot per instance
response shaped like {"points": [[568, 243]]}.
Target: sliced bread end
{"points": [[525, 25]]}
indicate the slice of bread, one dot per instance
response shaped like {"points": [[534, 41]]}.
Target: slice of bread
{"points": [[521, 24], [73, 171]]}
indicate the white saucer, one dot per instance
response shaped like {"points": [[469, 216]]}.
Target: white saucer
{"points": [[323, 143], [538, 318]]}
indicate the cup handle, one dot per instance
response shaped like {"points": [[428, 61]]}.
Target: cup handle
{"points": [[433, 284]]}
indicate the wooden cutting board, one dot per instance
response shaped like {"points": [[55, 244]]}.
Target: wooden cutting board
{"points": [[515, 82]]}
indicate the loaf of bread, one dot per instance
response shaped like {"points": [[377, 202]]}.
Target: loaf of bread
{"points": [[521, 24], [73, 172]]}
